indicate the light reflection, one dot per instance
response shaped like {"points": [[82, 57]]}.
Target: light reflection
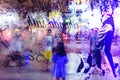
{"points": [[7, 35]]}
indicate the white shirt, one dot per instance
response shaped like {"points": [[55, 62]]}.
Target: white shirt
{"points": [[15, 45], [47, 43]]}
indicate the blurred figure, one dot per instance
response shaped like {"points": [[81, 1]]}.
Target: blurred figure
{"points": [[105, 38], [95, 52], [93, 43], [59, 60], [15, 50], [47, 45], [16, 44]]}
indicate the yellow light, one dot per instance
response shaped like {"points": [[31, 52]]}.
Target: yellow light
{"points": [[79, 1]]}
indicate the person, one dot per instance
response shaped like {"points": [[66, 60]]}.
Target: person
{"points": [[47, 45], [59, 60], [16, 44], [93, 43], [15, 50], [95, 52], [105, 38]]}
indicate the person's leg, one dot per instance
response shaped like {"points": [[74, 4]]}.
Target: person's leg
{"points": [[110, 59], [57, 78], [43, 64], [49, 60], [98, 63], [63, 78], [98, 58], [46, 60], [108, 43], [47, 65]]}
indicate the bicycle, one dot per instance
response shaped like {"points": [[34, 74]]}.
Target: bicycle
{"points": [[32, 58]]}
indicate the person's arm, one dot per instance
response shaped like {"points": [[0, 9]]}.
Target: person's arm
{"points": [[54, 58], [65, 59]]}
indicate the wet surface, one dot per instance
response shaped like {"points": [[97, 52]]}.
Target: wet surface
{"points": [[24, 73], [33, 72], [30, 73]]}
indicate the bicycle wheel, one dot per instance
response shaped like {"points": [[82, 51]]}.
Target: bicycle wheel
{"points": [[40, 54], [38, 59]]}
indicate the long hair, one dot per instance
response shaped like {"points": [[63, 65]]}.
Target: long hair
{"points": [[60, 50]]}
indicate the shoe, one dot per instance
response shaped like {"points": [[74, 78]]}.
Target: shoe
{"points": [[115, 75], [103, 72]]}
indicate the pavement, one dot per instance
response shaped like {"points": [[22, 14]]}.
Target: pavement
{"points": [[33, 71], [93, 74], [29, 72]]}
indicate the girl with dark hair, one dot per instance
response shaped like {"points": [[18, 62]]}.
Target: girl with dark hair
{"points": [[59, 59]]}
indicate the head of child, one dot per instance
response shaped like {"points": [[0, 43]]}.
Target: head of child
{"points": [[60, 50], [49, 31]]}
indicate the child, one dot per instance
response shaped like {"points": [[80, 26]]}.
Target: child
{"points": [[59, 59], [47, 45]]}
